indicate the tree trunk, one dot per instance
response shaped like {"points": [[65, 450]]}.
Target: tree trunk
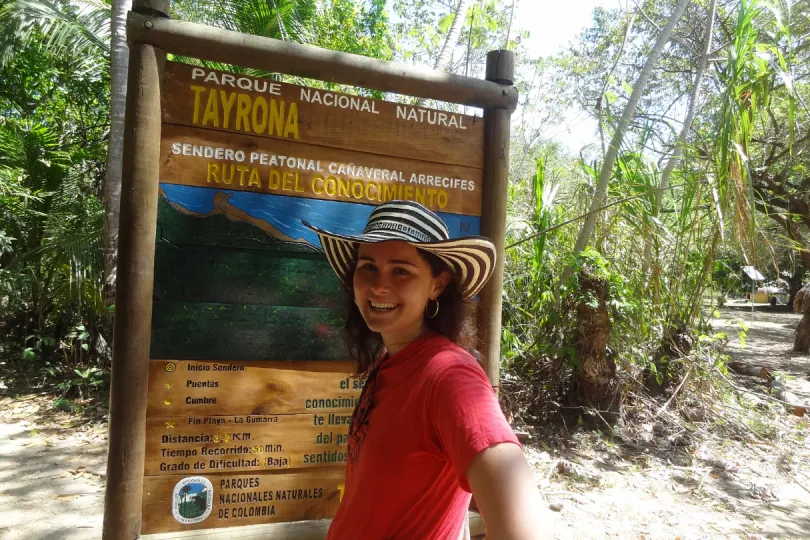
{"points": [[119, 63], [618, 136], [694, 100], [802, 250], [596, 381], [795, 284], [802, 305], [676, 343], [452, 36], [599, 101]]}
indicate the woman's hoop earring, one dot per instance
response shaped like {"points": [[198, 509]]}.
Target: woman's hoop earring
{"points": [[436, 312]]}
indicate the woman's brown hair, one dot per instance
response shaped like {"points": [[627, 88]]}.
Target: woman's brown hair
{"points": [[452, 320]]}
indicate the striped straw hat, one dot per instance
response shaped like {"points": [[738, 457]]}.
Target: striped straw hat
{"points": [[471, 258]]}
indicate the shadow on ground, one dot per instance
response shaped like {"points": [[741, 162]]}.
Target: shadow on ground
{"points": [[51, 478]]}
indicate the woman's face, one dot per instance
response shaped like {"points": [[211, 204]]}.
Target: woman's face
{"points": [[392, 286]]}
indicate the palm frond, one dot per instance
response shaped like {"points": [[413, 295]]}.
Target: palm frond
{"points": [[80, 26]]}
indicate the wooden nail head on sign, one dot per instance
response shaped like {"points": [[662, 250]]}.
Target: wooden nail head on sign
{"points": [[231, 391]]}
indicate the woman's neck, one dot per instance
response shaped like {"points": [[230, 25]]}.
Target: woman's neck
{"points": [[397, 341]]}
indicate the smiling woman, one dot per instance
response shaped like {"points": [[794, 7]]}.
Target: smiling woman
{"points": [[427, 430]]}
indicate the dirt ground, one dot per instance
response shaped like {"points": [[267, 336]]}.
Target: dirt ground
{"points": [[740, 472], [52, 467]]}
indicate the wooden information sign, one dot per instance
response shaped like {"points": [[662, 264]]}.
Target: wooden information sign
{"points": [[232, 390], [259, 383]]}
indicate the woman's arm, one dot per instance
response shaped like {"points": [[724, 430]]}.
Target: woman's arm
{"points": [[504, 489]]}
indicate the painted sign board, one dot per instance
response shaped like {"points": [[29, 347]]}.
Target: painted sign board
{"points": [[245, 443], [231, 500], [205, 158], [285, 415], [250, 391], [206, 388], [201, 97], [224, 168]]}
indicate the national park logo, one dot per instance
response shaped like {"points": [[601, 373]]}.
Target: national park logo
{"points": [[192, 499]]}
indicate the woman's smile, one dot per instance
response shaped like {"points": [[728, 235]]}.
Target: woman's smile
{"points": [[382, 307], [392, 285]]}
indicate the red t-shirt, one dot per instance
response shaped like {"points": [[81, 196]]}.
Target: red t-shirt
{"points": [[433, 411]]}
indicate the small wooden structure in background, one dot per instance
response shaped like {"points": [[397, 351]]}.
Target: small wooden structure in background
{"points": [[230, 390]]}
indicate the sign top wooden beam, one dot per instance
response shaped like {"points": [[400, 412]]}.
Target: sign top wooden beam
{"points": [[216, 44]]}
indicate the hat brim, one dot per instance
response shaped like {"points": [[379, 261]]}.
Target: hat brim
{"points": [[471, 258]]}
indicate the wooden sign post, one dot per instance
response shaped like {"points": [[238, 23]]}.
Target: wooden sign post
{"points": [[231, 388]]}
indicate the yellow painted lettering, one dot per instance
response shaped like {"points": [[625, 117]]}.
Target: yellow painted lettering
{"points": [[213, 172], [242, 112], [343, 187], [389, 192], [242, 170], [431, 194], [331, 186], [255, 179], [357, 194], [211, 110], [227, 99], [298, 187], [420, 196], [225, 178], [259, 106], [442, 198], [276, 118], [409, 193], [275, 179], [287, 181], [197, 91], [292, 122], [370, 185], [315, 187]]}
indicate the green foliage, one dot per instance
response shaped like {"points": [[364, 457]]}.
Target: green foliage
{"points": [[52, 153], [343, 25], [54, 121], [658, 258], [666, 258], [353, 26], [423, 26]]}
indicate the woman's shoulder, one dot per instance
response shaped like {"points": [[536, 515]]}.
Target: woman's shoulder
{"points": [[444, 355]]}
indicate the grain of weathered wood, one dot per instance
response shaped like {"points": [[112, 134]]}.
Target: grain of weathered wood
{"points": [[304, 530], [500, 65], [251, 388], [185, 273], [318, 499], [139, 195], [239, 444], [246, 332], [234, 331], [196, 40], [363, 124], [315, 529], [438, 186]]}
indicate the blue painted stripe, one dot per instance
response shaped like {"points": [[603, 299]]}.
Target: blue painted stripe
{"points": [[286, 213]]}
